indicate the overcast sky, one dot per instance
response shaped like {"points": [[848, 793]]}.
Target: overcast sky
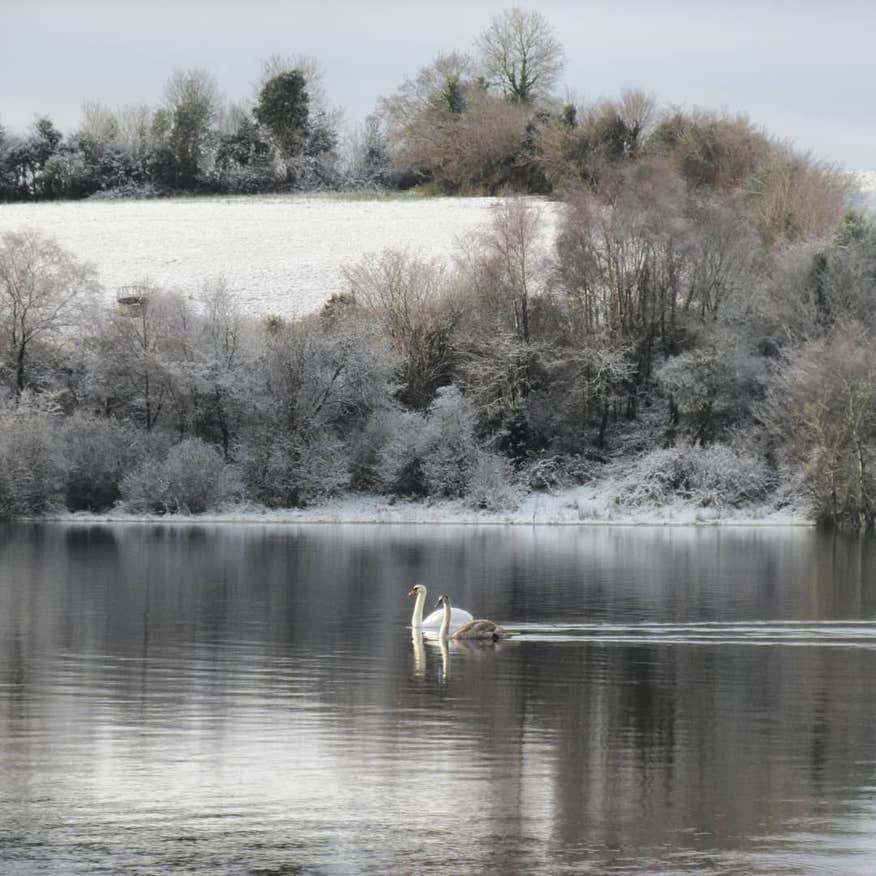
{"points": [[805, 70]]}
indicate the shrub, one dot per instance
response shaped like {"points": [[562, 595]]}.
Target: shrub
{"points": [[32, 466], [98, 453], [490, 484], [449, 447], [191, 478], [399, 465], [433, 454], [715, 475], [558, 472], [294, 470]]}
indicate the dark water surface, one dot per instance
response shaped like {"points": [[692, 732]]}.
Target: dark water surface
{"points": [[250, 699]]}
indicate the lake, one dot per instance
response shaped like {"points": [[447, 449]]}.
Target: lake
{"points": [[250, 699]]}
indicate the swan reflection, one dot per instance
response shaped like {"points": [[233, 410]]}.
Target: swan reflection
{"points": [[419, 653], [445, 659], [440, 645], [425, 642]]}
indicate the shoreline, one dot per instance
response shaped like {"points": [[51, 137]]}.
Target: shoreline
{"points": [[577, 507]]}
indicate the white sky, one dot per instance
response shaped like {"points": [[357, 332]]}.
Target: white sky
{"points": [[805, 70]]}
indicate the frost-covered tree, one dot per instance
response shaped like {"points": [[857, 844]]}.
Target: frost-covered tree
{"points": [[520, 54], [583, 141], [511, 264], [433, 453], [409, 298], [824, 405], [184, 128], [283, 108], [222, 349], [135, 353], [43, 291], [98, 453], [368, 161], [312, 389], [32, 462], [710, 388], [443, 125], [190, 478], [291, 108]]}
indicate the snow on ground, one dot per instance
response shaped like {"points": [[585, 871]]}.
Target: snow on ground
{"points": [[591, 504], [280, 254]]}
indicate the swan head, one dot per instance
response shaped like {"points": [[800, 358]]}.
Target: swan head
{"points": [[416, 590], [443, 599]]}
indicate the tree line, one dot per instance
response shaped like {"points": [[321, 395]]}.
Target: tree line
{"points": [[655, 327], [483, 121]]}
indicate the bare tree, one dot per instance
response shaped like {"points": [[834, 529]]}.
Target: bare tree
{"points": [[138, 352], [796, 197], [408, 296], [824, 405], [520, 54], [40, 286], [422, 93], [512, 250], [637, 110]]}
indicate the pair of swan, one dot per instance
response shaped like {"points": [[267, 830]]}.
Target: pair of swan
{"points": [[458, 616], [464, 626]]}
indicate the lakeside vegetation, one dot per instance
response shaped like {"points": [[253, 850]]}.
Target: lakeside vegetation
{"points": [[705, 311]]}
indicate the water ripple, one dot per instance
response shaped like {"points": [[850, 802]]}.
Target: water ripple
{"points": [[844, 634]]}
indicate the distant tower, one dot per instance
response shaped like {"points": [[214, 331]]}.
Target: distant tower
{"points": [[132, 299]]}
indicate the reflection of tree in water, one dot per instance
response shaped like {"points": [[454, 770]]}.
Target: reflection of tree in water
{"points": [[530, 751]]}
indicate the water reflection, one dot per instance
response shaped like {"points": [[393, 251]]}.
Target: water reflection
{"points": [[243, 699], [419, 652]]}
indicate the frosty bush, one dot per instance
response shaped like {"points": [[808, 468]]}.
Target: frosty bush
{"points": [[715, 475], [128, 191], [450, 449], [558, 472], [294, 470], [433, 454], [250, 179], [400, 460], [98, 453], [32, 466], [191, 478], [490, 484]]}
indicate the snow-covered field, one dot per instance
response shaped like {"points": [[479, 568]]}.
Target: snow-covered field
{"points": [[279, 254]]}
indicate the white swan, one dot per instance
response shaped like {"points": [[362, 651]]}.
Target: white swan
{"points": [[473, 629], [458, 617]]}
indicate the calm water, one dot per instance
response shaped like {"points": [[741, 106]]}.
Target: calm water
{"points": [[248, 699]]}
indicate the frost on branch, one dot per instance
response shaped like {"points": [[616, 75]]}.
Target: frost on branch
{"points": [[708, 476]]}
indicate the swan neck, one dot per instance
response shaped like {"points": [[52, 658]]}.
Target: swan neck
{"points": [[445, 621], [417, 616]]}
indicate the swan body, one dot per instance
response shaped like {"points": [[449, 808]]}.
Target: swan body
{"points": [[458, 616], [486, 630]]}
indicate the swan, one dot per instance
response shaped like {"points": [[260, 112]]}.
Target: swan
{"points": [[473, 629], [458, 616]]}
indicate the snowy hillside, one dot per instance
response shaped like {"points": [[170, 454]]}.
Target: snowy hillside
{"points": [[279, 254]]}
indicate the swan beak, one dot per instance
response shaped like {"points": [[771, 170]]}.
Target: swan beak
{"points": [[412, 592]]}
